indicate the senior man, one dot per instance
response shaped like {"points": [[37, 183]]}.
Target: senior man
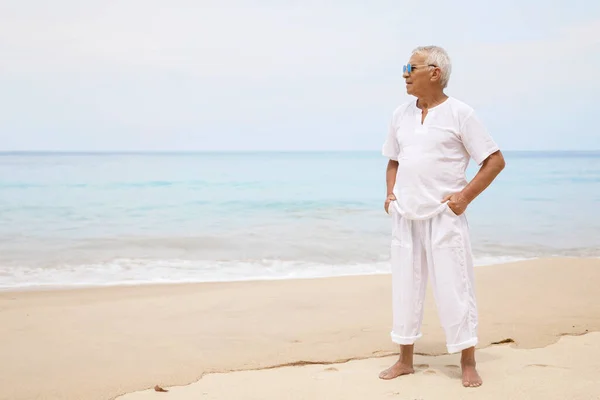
{"points": [[429, 145]]}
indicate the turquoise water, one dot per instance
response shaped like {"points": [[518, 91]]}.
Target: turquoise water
{"points": [[87, 219]]}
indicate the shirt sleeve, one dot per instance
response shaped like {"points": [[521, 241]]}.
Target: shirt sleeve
{"points": [[477, 140], [390, 146]]}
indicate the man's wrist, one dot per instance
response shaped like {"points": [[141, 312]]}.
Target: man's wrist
{"points": [[464, 197]]}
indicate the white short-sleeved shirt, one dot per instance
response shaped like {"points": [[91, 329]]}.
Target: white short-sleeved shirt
{"points": [[433, 156]]}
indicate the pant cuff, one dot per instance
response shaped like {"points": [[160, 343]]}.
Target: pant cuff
{"points": [[455, 348], [404, 339]]}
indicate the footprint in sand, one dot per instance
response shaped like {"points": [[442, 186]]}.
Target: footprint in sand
{"points": [[423, 366], [452, 370], [429, 372], [331, 369]]}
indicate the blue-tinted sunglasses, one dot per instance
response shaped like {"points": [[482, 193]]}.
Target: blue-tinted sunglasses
{"points": [[408, 68]]}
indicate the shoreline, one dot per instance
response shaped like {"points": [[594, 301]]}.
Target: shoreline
{"points": [[103, 342], [501, 260]]}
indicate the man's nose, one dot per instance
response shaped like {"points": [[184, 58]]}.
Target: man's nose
{"points": [[405, 74]]}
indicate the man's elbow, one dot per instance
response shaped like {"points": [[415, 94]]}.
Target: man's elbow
{"points": [[496, 161]]}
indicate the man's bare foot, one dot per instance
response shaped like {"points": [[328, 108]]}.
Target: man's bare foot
{"points": [[403, 366], [470, 376], [396, 370]]}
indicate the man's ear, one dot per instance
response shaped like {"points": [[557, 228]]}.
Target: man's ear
{"points": [[436, 75]]}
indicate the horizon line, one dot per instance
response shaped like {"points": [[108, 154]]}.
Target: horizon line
{"points": [[6, 152]]}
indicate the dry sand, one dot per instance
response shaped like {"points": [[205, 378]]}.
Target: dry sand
{"points": [[568, 370], [89, 344]]}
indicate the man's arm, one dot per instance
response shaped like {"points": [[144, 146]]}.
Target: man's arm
{"points": [[390, 176], [489, 170], [390, 150], [390, 181], [491, 167]]}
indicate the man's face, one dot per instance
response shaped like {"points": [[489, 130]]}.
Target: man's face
{"points": [[418, 80]]}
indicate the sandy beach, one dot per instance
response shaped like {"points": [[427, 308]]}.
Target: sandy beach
{"points": [[299, 339]]}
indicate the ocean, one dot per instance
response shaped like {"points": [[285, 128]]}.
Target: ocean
{"points": [[86, 219]]}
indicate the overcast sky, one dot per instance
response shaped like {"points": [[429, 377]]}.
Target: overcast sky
{"points": [[287, 75]]}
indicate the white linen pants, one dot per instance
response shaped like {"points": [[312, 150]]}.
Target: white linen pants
{"points": [[440, 248]]}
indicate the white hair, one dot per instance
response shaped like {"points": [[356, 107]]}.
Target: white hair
{"points": [[437, 56]]}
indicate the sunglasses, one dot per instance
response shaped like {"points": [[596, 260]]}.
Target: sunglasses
{"points": [[408, 68]]}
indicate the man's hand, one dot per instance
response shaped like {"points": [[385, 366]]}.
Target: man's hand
{"points": [[388, 200], [457, 203]]}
